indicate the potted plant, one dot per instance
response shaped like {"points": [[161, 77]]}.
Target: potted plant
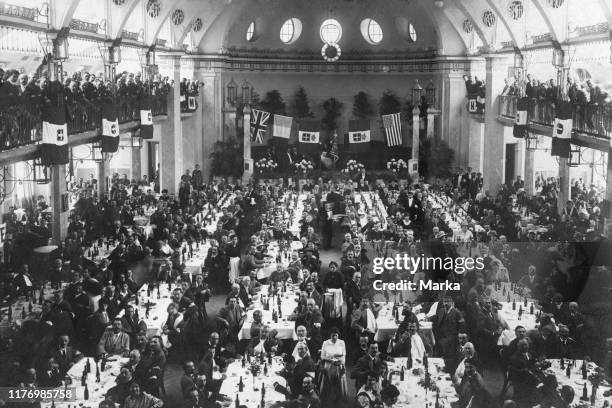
{"points": [[265, 167]]}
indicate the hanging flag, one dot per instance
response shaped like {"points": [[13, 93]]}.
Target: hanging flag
{"points": [[146, 119], [309, 136], [520, 122], [54, 147], [110, 128], [359, 135], [562, 130], [472, 105], [191, 103], [259, 125], [282, 126], [393, 128]]}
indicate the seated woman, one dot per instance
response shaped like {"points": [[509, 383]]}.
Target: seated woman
{"points": [[369, 392]]}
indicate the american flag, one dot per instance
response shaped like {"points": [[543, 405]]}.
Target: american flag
{"points": [[393, 129], [259, 125]]}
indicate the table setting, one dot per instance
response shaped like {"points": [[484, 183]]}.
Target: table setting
{"points": [[251, 382], [585, 378], [387, 323], [98, 376], [274, 314], [420, 386]]}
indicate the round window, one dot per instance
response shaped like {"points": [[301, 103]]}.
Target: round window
{"points": [[371, 31], [331, 31], [290, 31]]}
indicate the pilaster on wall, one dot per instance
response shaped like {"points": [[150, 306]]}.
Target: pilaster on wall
{"points": [[212, 103], [455, 124], [172, 143], [58, 189], [494, 146], [564, 184]]}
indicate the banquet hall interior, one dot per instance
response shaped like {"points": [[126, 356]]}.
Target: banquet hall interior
{"points": [[305, 204]]}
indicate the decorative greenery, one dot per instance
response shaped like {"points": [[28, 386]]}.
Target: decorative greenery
{"points": [[362, 108], [435, 158], [265, 166], [300, 107], [397, 166], [333, 110], [303, 167], [389, 103], [353, 167], [227, 159], [273, 103]]}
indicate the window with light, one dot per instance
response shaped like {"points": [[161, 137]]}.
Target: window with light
{"points": [[371, 31], [331, 31], [290, 31], [250, 34]]}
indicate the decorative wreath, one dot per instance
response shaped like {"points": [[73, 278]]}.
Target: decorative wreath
{"points": [[331, 52]]}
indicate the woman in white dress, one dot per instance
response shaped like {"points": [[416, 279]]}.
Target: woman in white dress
{"points": [[333, 370]]}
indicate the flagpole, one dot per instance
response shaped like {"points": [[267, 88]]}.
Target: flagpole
{"points": [[248, 162]]}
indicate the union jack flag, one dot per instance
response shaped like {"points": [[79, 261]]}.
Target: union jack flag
{"points": [[259, 125]]}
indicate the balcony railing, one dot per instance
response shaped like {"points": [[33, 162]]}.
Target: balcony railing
{"points": [[593, 120], [21, 122], [84, 26], [12, 10], [130, 35]]}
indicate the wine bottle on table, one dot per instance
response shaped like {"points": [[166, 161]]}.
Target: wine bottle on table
{"points": [[237, 401], [240, 385], [402, 374], [585, 393], [568, 370], [562, 363], [97, 373], [584, 370], [86, 393]]}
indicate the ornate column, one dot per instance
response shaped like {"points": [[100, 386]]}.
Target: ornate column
{"points": [[248, 161], [172, 142]]}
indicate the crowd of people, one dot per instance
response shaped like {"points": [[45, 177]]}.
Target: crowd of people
{"points": [[25, 97], [328, 350]]}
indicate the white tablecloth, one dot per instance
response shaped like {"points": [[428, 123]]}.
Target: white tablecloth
{"points": [[511, 317], [273, 251], [414, 395], [251, 394], [387, 325], [97, 390], [577, 383], [285, 328]]}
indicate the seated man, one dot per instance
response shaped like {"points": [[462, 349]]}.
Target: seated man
{"points": [[232, 316], [257, 324], [412, 344], [472, 390], [114, 341], [132, 325], [65, 355], [370, 363], [265, 343], [312, 319], [363, 320]]}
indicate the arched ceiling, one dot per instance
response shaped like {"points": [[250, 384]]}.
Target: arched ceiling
{"points": [[223, 22]]}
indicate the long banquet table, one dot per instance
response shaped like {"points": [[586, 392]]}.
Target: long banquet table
{"points": [[412, 394], [251, 394], [284, 327]]}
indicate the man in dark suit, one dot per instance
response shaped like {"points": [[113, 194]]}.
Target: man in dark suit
{"points": [[520, 375], [231, 316], [565, 347], [352, 293], [363, 320], [64, 355], [447, 324], [132, 325], [371, 362]]}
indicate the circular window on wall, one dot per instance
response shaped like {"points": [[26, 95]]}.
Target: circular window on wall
{"points": [[371, 31], [290, 31], [250, 33], [330, 31]]}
